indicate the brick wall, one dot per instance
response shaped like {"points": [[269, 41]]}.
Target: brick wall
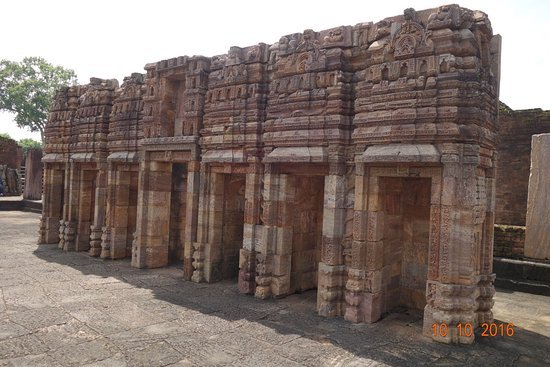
{"points": [[509, 241], [514, 160], [10, 153]]}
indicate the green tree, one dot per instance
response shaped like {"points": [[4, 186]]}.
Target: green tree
{"points": [[27, 89], [5, 135], [27, 144]]}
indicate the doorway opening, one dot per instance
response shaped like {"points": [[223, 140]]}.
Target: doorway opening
{"points": [[307, 230], [233, 224], [86, 208], [177, 212], [406, 206]]}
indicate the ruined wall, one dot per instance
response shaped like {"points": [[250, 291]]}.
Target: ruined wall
{"points": [[509, 241], [514, 160], [11, 154]]}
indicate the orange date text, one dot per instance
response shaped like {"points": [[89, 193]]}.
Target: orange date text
{"points": [[466, 329]]}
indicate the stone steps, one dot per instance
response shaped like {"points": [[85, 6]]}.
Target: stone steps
{"points": [[21, 205], [522, 275]]}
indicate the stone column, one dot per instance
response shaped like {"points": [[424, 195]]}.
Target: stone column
{"points": [[119, 213], [153, 215], [99, 210], [364, 295], [274, 253], [330, 284], [202, 225], [109, 212], [67, 228], [252, 230], [52, 212], [537, 232], [45, 221], [452, 298], [191, 216]]}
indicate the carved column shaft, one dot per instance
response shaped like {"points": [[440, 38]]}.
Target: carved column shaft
{"points": [[330, 284], [191, 217], [252, 229], [99, 210], [153, 218]]}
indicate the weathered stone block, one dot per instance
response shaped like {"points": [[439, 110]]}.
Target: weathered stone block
{"points": [[281, 264], [537, 231]]}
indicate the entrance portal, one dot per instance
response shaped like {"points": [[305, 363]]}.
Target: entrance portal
{"points": [[177, 212], [406, 206], [233, 223], [86, 208], [307, 229]]}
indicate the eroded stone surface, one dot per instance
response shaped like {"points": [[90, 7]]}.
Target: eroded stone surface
{"points": [[537, 231]]}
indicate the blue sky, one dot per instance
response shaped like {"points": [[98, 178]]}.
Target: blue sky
{"points": [[112, 39]]}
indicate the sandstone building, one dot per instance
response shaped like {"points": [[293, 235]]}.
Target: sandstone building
{"points": [[358, 160]]}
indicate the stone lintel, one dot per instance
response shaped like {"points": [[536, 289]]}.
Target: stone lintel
{"points": [[297, 155], [127, 157], [224, 156], [400, 153]]}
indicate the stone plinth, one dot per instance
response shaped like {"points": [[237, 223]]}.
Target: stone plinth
{"points": [[537, 234]]}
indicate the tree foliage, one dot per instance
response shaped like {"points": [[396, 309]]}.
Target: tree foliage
{"points": [[27, 89], [5, 135], [27, 144]]}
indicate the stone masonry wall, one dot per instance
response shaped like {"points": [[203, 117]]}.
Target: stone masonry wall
{"points": [[514, 157], [509, 241], [11, 154]]}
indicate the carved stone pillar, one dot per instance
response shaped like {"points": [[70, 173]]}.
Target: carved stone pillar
{"points": [[99, 211], [330, 284], [364, 293], [202, 225], [109, 213], [67, 229], [275, 251], [252, 229], [267, 241], [52, 211], [452, 297], [153, 215], [191, 217]]}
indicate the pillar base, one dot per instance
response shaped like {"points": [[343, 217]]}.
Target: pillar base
{"points": [[330, 290], [450, 308], [247, 272], [95, 241]]}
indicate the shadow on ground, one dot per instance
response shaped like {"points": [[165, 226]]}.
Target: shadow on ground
{"points": [[218, 310]]}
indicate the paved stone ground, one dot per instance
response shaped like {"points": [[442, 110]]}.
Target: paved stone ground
{"points": [[68, 309]]}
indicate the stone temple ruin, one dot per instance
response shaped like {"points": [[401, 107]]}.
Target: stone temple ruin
{"points": [[358, 161]]}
